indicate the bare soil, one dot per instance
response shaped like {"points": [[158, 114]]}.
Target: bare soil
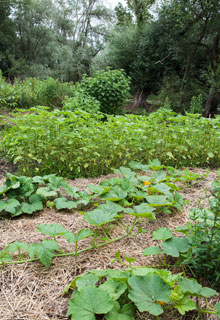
{"points": [[32, 292]]}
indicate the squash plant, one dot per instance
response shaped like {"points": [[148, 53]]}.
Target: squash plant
{"points": [[116, 294]]}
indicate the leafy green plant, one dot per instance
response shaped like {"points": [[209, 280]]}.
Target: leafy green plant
{"points": [[147, 289], [203, 236], [52, 92], [110, 88], [81, 100], [196, 105], [8, 94], [76, 144], [27, 195], [48, 249]]}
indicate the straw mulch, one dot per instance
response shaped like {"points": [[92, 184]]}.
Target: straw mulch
{"points": [[32, 292]]}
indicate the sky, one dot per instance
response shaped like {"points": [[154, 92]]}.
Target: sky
{"points": [[113, 3]]}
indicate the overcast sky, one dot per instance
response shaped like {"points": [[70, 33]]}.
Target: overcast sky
{"points": [[113, 3]]}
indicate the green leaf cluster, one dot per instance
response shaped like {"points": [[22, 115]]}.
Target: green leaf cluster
{"points": [[146, 289], [81, 144]]}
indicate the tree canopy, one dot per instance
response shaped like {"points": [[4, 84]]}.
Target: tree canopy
{"points": [[170, 47]]}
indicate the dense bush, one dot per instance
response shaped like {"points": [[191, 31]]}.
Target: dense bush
{"points": [[110, 88], [52, 92], [8, 94], [81, 100], [32, 92], [77, 143]]}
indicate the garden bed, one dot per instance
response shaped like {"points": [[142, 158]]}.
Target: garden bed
{"points": [[32, 292]]}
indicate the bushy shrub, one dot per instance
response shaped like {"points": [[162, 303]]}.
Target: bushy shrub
{"points": [[8, 94], [110, 88], [81, 100], [27, 92], [52, 92], [196, 105]]}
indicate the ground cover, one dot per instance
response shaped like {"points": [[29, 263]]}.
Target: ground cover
{"points": [[32, 287]]}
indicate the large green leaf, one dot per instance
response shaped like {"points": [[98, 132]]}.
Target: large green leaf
{"points": [[192, 287], [111, 206], [127, 312], [44, 253], [217, 307], [45, 192], [9, 206], [71, 191], [142, 210], [162, 234], [87, 280], [146, 291], [114, 288], [161, 188], [185, 305], [63, 203], [30, 208], [174, 246], [99, 190], [158, 201], [153, 250], [17, 246], [125, 172], [115, 194], [84, 305], [138, 166], [52, 229], [99, 217]]}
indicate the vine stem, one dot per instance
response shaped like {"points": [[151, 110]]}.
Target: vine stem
{"points": [[70, 253], [133, 225]]}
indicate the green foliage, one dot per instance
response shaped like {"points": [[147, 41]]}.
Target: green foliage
{"points": [[28, 195], [196, 105], [204, 237], [80, 145], [81, 100], [110, 88], [32, 92], [145, 289], [52, 92], [8, 94]]}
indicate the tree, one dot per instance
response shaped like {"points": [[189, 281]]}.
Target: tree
{"points": [[181, 42], [53, 38], [7, 36], [137, 51]]}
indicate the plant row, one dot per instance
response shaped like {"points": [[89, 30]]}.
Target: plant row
{"points": [[79, 144]]}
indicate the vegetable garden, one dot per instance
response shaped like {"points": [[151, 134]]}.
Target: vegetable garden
{"points": [[141, 243]]}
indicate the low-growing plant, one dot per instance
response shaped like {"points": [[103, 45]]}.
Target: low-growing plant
{"points": [[121, 293], [199, 249], [79, 144]]}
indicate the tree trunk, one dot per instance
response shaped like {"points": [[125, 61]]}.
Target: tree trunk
{"points": [[139, 100], [212, 103], [214, 94]]}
